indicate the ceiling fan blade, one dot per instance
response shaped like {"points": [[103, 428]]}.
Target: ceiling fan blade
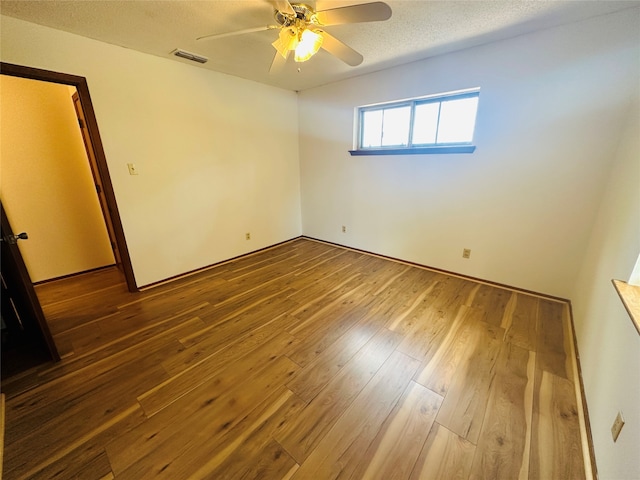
{"points": [[278, 63], [344, 52], [216, 36], [283, 6], [365, 12]]}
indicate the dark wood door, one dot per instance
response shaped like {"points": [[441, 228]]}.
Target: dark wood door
{"points": [[25, 333]]}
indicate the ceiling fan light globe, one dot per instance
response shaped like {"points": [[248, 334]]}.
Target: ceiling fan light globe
{"points": [[287, 40], [310, 43]]}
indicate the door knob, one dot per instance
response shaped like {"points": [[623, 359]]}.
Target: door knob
{"points": [[13, 239]]}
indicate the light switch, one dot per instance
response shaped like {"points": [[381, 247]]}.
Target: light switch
{"points": [[133, 170]]}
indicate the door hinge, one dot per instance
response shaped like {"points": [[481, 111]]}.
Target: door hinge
{"points": [[98, 189], [81, 123]]}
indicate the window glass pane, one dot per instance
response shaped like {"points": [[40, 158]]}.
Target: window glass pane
{"points": [[371, 128], [425, 123], [395, 126], [457, 120]]}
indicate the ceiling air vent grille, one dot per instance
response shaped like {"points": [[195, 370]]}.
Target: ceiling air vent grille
{"points": [[190, 56]]}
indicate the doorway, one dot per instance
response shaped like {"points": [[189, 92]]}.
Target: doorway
{"points": [[93, 144]]}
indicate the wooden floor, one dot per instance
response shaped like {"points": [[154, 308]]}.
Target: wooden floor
{"points": [[304, 361]]}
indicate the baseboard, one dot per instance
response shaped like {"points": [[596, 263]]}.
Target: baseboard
{"points": [[444, 272], [213, 265], [76, 274], [586, 432]]}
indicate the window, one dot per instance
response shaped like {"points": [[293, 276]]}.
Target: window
{"points": [[438, 124]]}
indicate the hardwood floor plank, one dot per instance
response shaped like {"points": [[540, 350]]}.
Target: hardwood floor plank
{"points": [[445, 455], [259, 345], [493, 301], [65, 453], [503, 447], [522, 327], [262, 457], [196, 420], [87, 458], [318, 283], [213, 453], [126, 377], [100, 347], [317, 373], [393, 452], [338, 453], [378, 271], [301, 435], [267, 304], [428, 327], [273, 462], [556, 450], [417, 305], [96, 402], [552, 344], [409, 280], [464, 405], [342, 299], [154, 344], [318, 336], [250, 264], [437, 372], [55, 291], [226, 332]]}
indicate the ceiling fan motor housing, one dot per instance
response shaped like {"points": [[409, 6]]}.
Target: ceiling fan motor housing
{"points": [[304, 13]]}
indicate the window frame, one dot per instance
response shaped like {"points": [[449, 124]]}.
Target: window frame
{"points": [[411, 148]]}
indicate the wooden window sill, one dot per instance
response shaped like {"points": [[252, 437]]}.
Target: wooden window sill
{"points": [[630, 296]]}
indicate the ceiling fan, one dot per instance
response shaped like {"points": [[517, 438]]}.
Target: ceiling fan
{"points": [[302, 30]]}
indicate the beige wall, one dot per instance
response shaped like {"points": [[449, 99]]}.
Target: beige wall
{"points": [[46, 184], [609, 343], [551, 107], [217, 155]]}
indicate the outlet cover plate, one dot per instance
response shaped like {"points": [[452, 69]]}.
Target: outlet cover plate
{"points": [[617, 426]]}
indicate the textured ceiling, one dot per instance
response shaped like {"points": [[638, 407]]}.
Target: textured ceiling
{"points": [[417, 30]]}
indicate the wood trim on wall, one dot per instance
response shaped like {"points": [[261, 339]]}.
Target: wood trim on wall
{"points": [[213, 265], [582, 397], [80, 83], [446, 272]]}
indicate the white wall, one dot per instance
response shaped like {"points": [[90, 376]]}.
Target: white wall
{"points": [[551, 107], [46, 184], [609, 343], [217, 155]]}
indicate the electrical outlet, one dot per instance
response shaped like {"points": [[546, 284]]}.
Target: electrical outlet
{"points": [[247, 236], [344, 229], [466, 253], [617, 426]]}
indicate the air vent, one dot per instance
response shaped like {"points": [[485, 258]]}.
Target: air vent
{"points": [[190, 56]]}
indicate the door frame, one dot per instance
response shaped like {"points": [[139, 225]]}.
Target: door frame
{"points": [[104, 207], [80, 83]]}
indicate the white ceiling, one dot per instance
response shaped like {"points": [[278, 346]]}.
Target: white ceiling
{"points": [[417, 29]]}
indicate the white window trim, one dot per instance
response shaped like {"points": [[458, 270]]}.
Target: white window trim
{"points": [[437, 148]]}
